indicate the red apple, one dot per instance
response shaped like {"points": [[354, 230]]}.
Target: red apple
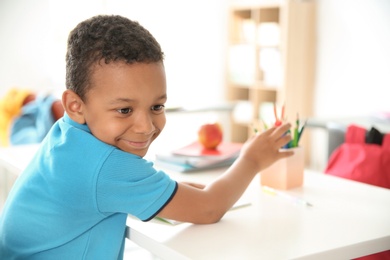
{"points": [[210, 135]]}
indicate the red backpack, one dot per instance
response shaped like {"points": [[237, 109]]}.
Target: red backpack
{"points": [[361, 160], [358, 160]]}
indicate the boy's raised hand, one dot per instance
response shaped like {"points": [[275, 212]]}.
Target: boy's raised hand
{"points": [[193, 203], [263, 149]]}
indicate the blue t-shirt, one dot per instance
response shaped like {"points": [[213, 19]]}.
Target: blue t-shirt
{"points": [[72, 200]]}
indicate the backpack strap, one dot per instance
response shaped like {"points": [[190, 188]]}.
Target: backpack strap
{"points": [[355, 134]]}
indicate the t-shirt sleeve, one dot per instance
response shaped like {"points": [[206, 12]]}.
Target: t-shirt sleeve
{"points": [[129, 184]]}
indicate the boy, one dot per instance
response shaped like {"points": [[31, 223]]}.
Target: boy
{"points": [[73, 199]]}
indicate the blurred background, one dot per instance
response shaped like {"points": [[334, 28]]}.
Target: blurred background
{"points": [[351, 66]]}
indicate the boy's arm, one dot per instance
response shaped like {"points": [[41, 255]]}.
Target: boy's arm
{"points": [[208, 205]]}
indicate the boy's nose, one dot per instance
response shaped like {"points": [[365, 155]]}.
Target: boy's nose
{"points": [[143, 124]]}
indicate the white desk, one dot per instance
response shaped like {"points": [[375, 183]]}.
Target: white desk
{"points": [[348, 219]]}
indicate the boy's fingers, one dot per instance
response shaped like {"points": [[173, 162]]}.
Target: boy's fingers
{"points": [[283, 140], [277, 130], [279, 135], [281, 131]]}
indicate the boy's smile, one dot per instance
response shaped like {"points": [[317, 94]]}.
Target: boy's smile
{"points": [[125, 104]]}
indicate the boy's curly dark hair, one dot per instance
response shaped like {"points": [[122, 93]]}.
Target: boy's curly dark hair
{"points": [[107, 38]]}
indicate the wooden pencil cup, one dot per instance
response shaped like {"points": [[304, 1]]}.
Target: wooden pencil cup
{"points": [[285, 173]]}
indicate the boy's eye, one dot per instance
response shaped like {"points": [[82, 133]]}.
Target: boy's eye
{"points": [[158, 108], [124, 110]]}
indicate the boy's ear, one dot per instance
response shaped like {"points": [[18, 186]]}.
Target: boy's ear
{"points": [[73, 106]]}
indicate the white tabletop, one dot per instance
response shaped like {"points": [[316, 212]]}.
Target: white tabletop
{"points": [[348, 219]]}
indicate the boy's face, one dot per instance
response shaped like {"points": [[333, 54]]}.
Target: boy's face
{"points": [[125, 105]]}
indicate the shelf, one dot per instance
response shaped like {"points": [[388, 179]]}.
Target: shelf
{"points": [[270, 58]]}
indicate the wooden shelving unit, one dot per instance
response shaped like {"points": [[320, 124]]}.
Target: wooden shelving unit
{"points": [[270, 60]]}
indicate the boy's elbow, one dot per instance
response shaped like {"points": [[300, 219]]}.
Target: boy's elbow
{"points": [[210, 217], [212, 211]]}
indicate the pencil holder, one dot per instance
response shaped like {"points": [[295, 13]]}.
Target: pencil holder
{"points": [[285, 173]]}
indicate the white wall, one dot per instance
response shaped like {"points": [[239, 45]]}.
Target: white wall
{"points": [[353, 57], [192, 35], [353, 64]]}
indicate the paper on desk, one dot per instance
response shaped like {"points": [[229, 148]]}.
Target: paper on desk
{"points": [[242, 202]]}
